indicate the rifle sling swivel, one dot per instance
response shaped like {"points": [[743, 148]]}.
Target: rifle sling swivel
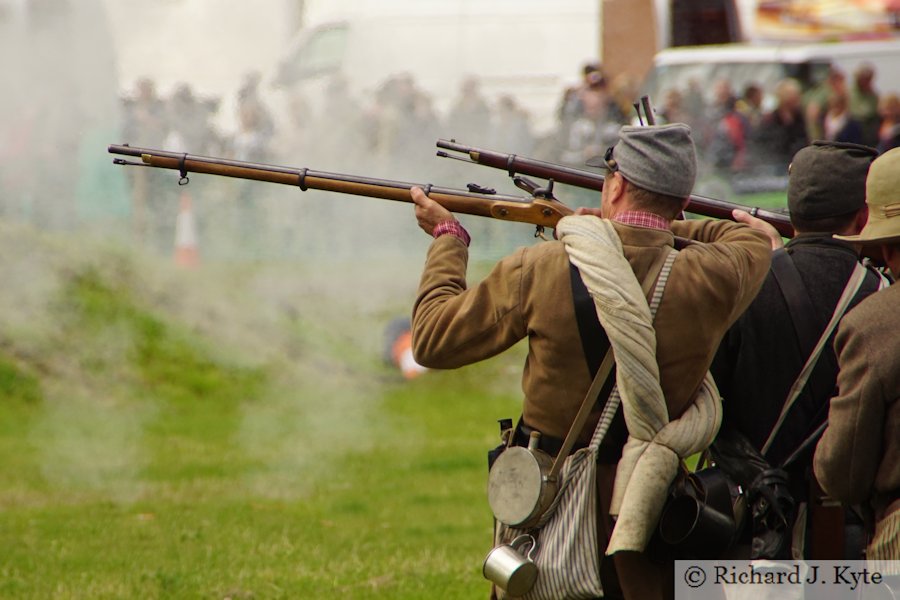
{"points": [[182, 170]]}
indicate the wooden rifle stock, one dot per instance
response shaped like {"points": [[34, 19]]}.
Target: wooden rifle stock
{"points": [[514, 164], [539, 211]]}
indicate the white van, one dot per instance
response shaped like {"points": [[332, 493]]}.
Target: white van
{"points": [[765, 65], [529, 49]]}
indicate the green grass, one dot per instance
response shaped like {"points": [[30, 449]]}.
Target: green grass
{"points": [[172, 435]]}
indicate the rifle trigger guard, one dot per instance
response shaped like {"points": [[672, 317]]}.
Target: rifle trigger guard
{"points": [[510, 163], [184, 180], [302, 179], [539, 232]]}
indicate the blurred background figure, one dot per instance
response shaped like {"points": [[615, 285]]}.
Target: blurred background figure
{"points": [[624, 91], [145, 115], [782, 132], [511, 131], [816, 101], [889, 129], [144, 124], [864, 103], [251, 142], [693, 99], [293, 138], [672, 108], [720, 103], [569, 106], [189, 128], [249, 95], [595, 119], [727, 150], [727, 136], [750, 106], [592, 101], [426, 117], [838, 125], [572, 105], [469, 117], [338, 128], [254, 132], [395, 121], [189, 123]]}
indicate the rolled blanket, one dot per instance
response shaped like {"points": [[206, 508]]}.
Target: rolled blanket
{"points": [[655, 445]]}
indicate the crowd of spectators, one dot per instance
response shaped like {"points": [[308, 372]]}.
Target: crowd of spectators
{"points": [[390, 134], [739, 135], [746, 137]]}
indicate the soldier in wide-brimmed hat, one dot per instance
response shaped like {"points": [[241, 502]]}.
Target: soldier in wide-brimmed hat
{"points": [[858, 459]]}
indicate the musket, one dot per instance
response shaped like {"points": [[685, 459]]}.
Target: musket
{"points": [[516, 166], [540, 209]]}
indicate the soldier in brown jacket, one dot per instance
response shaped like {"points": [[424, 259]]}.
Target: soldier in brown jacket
{"points": [[529, 295], [858, 458]]}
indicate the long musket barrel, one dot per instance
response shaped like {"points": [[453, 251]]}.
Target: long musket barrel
{"points": [[542, 212], [514, 164]]}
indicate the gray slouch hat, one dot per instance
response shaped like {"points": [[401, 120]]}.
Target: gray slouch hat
{"points": [[658, 158]]}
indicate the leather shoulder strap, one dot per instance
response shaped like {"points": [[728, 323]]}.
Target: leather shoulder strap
{"points": [[800, 306], [807, 327], [658, 275], [594, 342], [850, 290]]}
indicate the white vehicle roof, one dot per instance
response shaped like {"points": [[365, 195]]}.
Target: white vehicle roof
{"points": [[765, 64], [783, 52]]}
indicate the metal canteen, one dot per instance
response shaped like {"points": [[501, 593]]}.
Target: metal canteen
{"points": [[520, 489]]}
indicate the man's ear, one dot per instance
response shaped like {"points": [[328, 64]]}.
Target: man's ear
{"points": [[616, 188]]}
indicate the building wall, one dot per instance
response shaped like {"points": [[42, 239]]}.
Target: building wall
{"points": [[629, 37]]}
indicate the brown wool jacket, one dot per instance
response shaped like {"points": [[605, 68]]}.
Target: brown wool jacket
{"points": [[529, 294], [858, 457]]}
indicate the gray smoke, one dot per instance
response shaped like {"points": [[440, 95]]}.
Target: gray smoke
{"points": [[278, 266]]}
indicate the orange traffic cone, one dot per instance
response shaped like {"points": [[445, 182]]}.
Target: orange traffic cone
{"points": [[403, 356], [186, 253]]}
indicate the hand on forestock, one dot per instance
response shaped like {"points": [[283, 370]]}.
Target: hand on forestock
{"points": [[428, 212], [742, 216], [588, 210]]}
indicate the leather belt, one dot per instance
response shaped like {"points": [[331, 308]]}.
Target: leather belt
{"points": [[608, 454], [548, 443]]}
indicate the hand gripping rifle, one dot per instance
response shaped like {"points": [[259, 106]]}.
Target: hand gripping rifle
{"points": [[517, 166], [541, 209]]}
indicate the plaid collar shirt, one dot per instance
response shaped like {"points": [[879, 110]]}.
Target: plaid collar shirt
{"points": [[640, 218]]}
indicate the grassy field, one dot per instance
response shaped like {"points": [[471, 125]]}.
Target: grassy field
{"points": [[231, 432]]}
